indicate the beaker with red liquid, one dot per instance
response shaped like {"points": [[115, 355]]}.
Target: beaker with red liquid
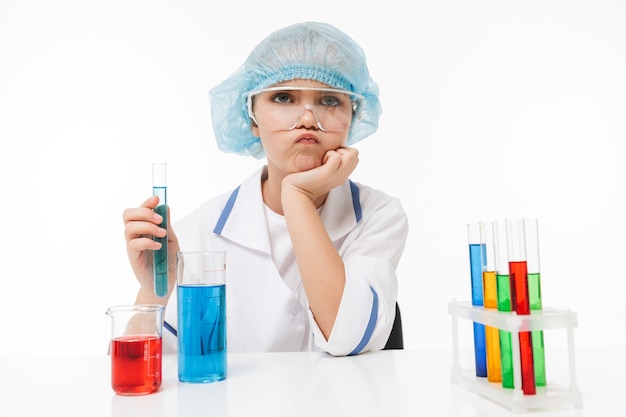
{"points": [[136, 348]]}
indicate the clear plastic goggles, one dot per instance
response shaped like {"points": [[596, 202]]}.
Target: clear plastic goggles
{"points": [[282, 108]]}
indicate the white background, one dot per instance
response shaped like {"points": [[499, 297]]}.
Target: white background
{"points": [[492, 109]]}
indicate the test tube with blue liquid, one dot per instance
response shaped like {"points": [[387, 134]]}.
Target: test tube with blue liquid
{"points": [[160, 267], [477, 260]]}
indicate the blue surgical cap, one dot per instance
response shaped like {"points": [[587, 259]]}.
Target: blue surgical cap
{"points": [[309, 50]]}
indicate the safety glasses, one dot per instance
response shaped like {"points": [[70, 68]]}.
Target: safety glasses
{"points": [[282, 108]]}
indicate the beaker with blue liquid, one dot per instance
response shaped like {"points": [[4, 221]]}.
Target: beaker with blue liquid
{"points": [[201, 314]]}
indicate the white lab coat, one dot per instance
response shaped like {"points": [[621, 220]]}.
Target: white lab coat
{"points": [[263, 314]]}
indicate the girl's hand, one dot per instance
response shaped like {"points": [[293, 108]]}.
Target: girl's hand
{"points": [[141, 224], [336, 167]]}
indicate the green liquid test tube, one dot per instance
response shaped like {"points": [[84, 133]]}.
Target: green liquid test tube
{"points": [[503, 283], [506, 344], [160, 267], [534, 297]]}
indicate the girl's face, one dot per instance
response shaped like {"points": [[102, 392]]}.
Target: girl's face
{"points": [[298, 127]]}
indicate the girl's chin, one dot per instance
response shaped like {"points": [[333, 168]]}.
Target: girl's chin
{"points": [[307, 162]]}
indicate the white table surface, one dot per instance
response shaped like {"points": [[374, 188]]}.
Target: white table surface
{"points": [[387, 383]]}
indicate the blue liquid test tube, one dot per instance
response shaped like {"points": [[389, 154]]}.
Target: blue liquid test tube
{"points": [[477, 261], [160, 267]]}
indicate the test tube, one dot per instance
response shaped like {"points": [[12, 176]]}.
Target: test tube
{"points": [[160, 267], [476, 256], [516, 249], [490, 298], [504, 303], [534, 296]]}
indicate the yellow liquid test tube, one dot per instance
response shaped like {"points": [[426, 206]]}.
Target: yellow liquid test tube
{"points": [[490, 296]]}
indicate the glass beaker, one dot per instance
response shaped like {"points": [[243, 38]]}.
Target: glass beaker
{"points": [[136, 348], [201, 313]]}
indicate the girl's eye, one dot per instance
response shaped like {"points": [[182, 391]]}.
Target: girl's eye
{"points": [[331, 101], [281, 98]]}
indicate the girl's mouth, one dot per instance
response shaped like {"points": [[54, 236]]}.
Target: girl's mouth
{"points": [[307, 139]]}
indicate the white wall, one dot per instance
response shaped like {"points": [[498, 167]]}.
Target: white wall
{"points": [[492, 109]]}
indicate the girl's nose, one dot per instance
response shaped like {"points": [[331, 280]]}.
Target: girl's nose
{"points": [[305, 120]]}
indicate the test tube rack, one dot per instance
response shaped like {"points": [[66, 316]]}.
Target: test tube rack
{"points": [[552, 396]]}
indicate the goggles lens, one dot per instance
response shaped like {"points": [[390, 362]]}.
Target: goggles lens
{"points": [[282, 108]]}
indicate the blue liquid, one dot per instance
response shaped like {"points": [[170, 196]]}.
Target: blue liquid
{"points": [[477, 260], [160, 256], [201, 333]]}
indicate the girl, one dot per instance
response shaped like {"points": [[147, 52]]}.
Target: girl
{"points": [[311, 255]]}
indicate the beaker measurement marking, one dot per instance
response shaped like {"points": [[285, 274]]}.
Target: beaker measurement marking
{"points": [[149, 359]]}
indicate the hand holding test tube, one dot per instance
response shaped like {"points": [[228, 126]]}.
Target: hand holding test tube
{"points": [[160, 266]]}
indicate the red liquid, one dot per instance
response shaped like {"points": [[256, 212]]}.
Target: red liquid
{"points": [[519, 287], [136, 364], [520, 303], [527, 363]]}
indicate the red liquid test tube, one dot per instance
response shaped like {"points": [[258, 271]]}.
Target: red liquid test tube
{"points": [[516, 248]]}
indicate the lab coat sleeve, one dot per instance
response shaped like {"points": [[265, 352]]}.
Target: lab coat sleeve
{"points": [[170, 325], [371, 253]]}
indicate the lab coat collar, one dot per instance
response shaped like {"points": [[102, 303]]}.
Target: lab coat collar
{"points": [[243, 218]]}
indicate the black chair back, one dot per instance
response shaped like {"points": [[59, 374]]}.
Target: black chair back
{"points": [[396, 340]]}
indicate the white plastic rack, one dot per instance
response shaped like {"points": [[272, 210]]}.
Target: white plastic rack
{"points": [[552, 396]]}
